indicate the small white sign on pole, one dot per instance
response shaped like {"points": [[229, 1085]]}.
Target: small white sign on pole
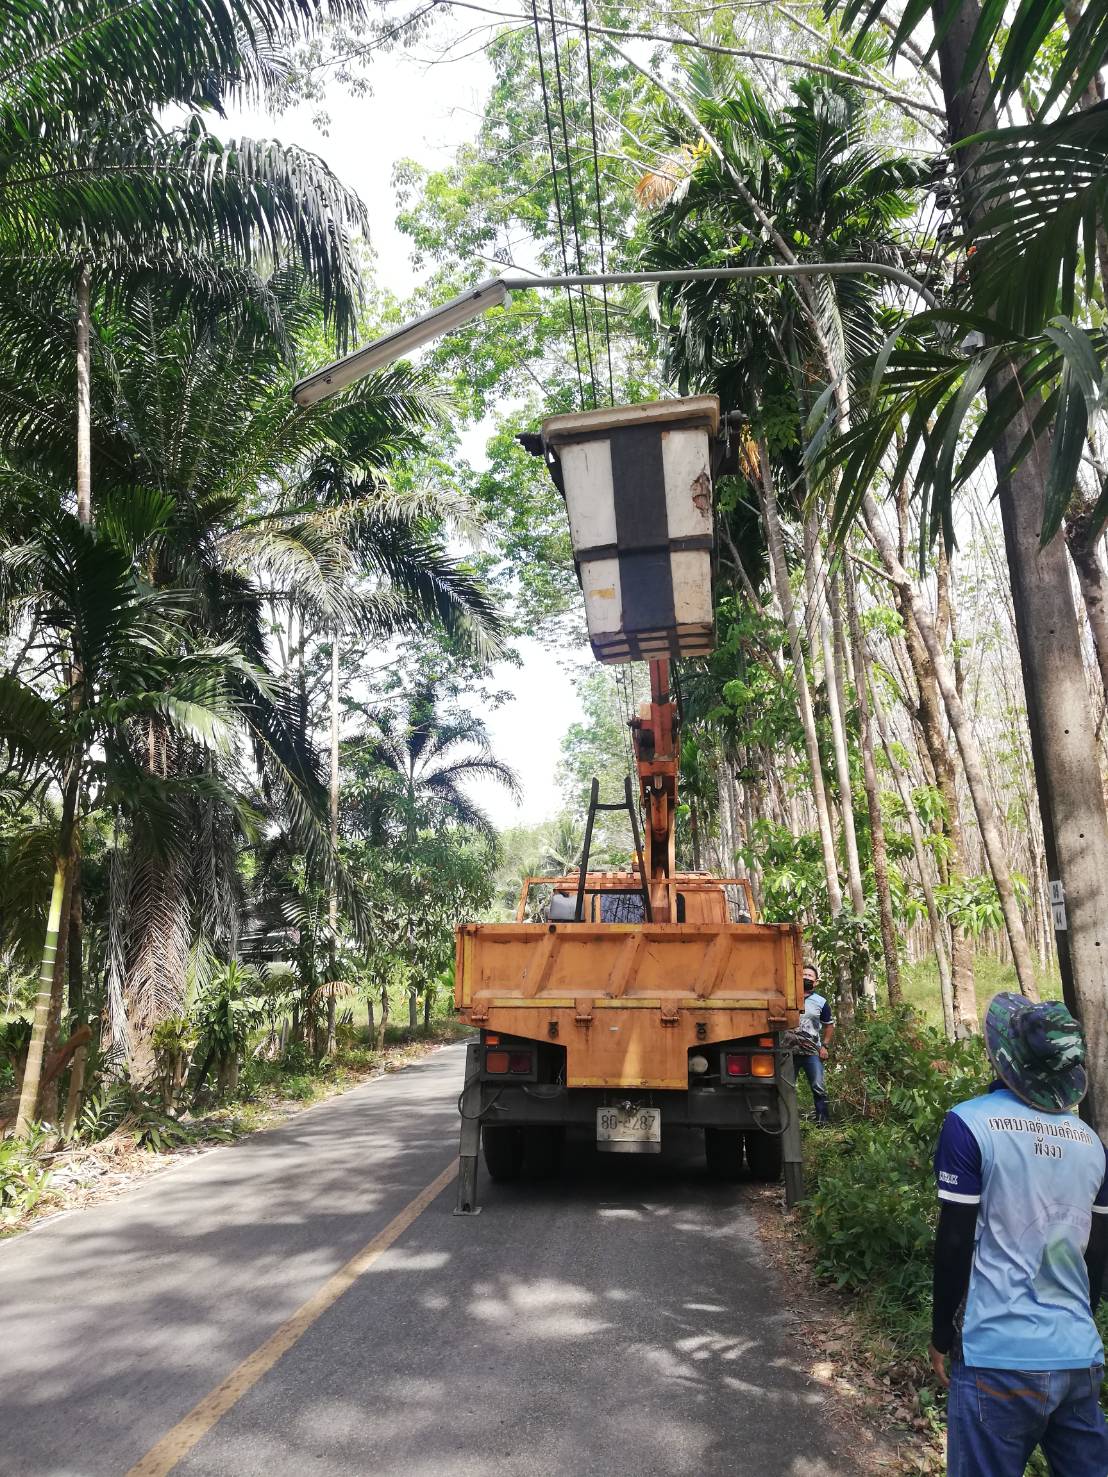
{"points": [[1058, 906]]}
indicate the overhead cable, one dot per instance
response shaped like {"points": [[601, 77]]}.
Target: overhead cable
{"points": [[558, 201], [572, 194], [599, 208]]}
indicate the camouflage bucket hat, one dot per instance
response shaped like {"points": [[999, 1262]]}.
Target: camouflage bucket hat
{"points": [[1038, 1051]]}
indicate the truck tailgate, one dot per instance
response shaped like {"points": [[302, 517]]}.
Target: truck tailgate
{"points": [[628, 1000]]}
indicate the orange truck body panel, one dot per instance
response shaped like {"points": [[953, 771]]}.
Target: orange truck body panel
{"points": [[629, 1000]]}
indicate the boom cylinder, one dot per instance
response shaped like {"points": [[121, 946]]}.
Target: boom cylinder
{"points": [[655, 734]]}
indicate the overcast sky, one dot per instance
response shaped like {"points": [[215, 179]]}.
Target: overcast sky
{"points": [[423, 111]]}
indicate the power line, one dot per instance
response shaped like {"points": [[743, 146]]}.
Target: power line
{"points": [[558, 201], [572, 194], [596, 183]]}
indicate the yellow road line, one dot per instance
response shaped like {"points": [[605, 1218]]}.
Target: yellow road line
{"points": [[176, 1444]]}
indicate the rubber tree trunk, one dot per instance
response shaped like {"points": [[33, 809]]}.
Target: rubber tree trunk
{"points": [[1063, 740], [333, 899], [939, 936], [842, 756], [776, 546], [32, 1074], [929, 716], [972, 762], [873, 797], [832, 648], [1082, 543]]}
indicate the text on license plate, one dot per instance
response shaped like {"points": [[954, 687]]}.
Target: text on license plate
{"points": [[637, 1126]]}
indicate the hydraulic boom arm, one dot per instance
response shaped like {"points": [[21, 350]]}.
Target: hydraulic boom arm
{"points": [[655, 735]]}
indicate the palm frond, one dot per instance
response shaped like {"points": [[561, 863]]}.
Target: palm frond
{"points": [[1044, 192], [1017, 33], [926, 391]]}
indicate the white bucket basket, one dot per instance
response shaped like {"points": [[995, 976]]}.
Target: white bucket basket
{"points": [[638, 487]]}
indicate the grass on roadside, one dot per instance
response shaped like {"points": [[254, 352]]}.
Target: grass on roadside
{"points": [[267, 1090]]}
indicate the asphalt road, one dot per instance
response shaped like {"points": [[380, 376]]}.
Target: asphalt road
{"points": [[621, 1321]]}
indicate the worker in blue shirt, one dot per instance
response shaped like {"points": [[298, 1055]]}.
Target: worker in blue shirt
{"points": [[1019, 1256], [812, 1039]]}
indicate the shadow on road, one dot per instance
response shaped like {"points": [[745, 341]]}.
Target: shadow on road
{"points": [[619, 1320]]}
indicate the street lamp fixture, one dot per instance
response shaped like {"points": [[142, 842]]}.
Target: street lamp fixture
{"points": [[497, 290], [397, 345]]}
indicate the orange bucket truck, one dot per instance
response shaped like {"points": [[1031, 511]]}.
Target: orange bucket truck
{"points": [[624, 1005]]}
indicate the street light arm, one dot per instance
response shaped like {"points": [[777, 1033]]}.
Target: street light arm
{"points": [[730, 274], [397, 344]]}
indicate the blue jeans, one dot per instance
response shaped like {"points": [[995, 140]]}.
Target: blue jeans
{"points": [[996, 1417], [812, 1068]]}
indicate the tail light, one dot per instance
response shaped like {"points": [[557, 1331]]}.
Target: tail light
{"points": [[497, 1061], [491, 1038], [761, 1065], [519, 1062], [736, 1064]]}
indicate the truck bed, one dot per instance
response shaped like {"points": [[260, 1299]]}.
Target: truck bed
{"points": [[628, 1001]]}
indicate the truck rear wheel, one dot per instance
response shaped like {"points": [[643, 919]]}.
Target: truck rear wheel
{"points": [[543, 1150], [503, 1150], [723, 1149], [765, 1156]]}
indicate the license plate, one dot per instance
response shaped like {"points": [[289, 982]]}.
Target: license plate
{"points": [[629, 1131]]}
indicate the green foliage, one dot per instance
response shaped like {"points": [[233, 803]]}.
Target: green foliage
{"points": [[23, 1181], [300, 1087], [14, 1036], [90, 171], [296, 1059], [973, 904], [599, 745], [531, 560], [794, 889], [496, 203], [226, 1013], [125, 1108], [1010, 37], [872, 1209]]}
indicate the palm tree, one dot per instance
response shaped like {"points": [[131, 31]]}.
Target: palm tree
{"points": [[109, 644], [409, 798], [564, 844], [1017, 35], [96, 195], [280, 519], [412, 771], [1030, 200], [805, 174]]}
